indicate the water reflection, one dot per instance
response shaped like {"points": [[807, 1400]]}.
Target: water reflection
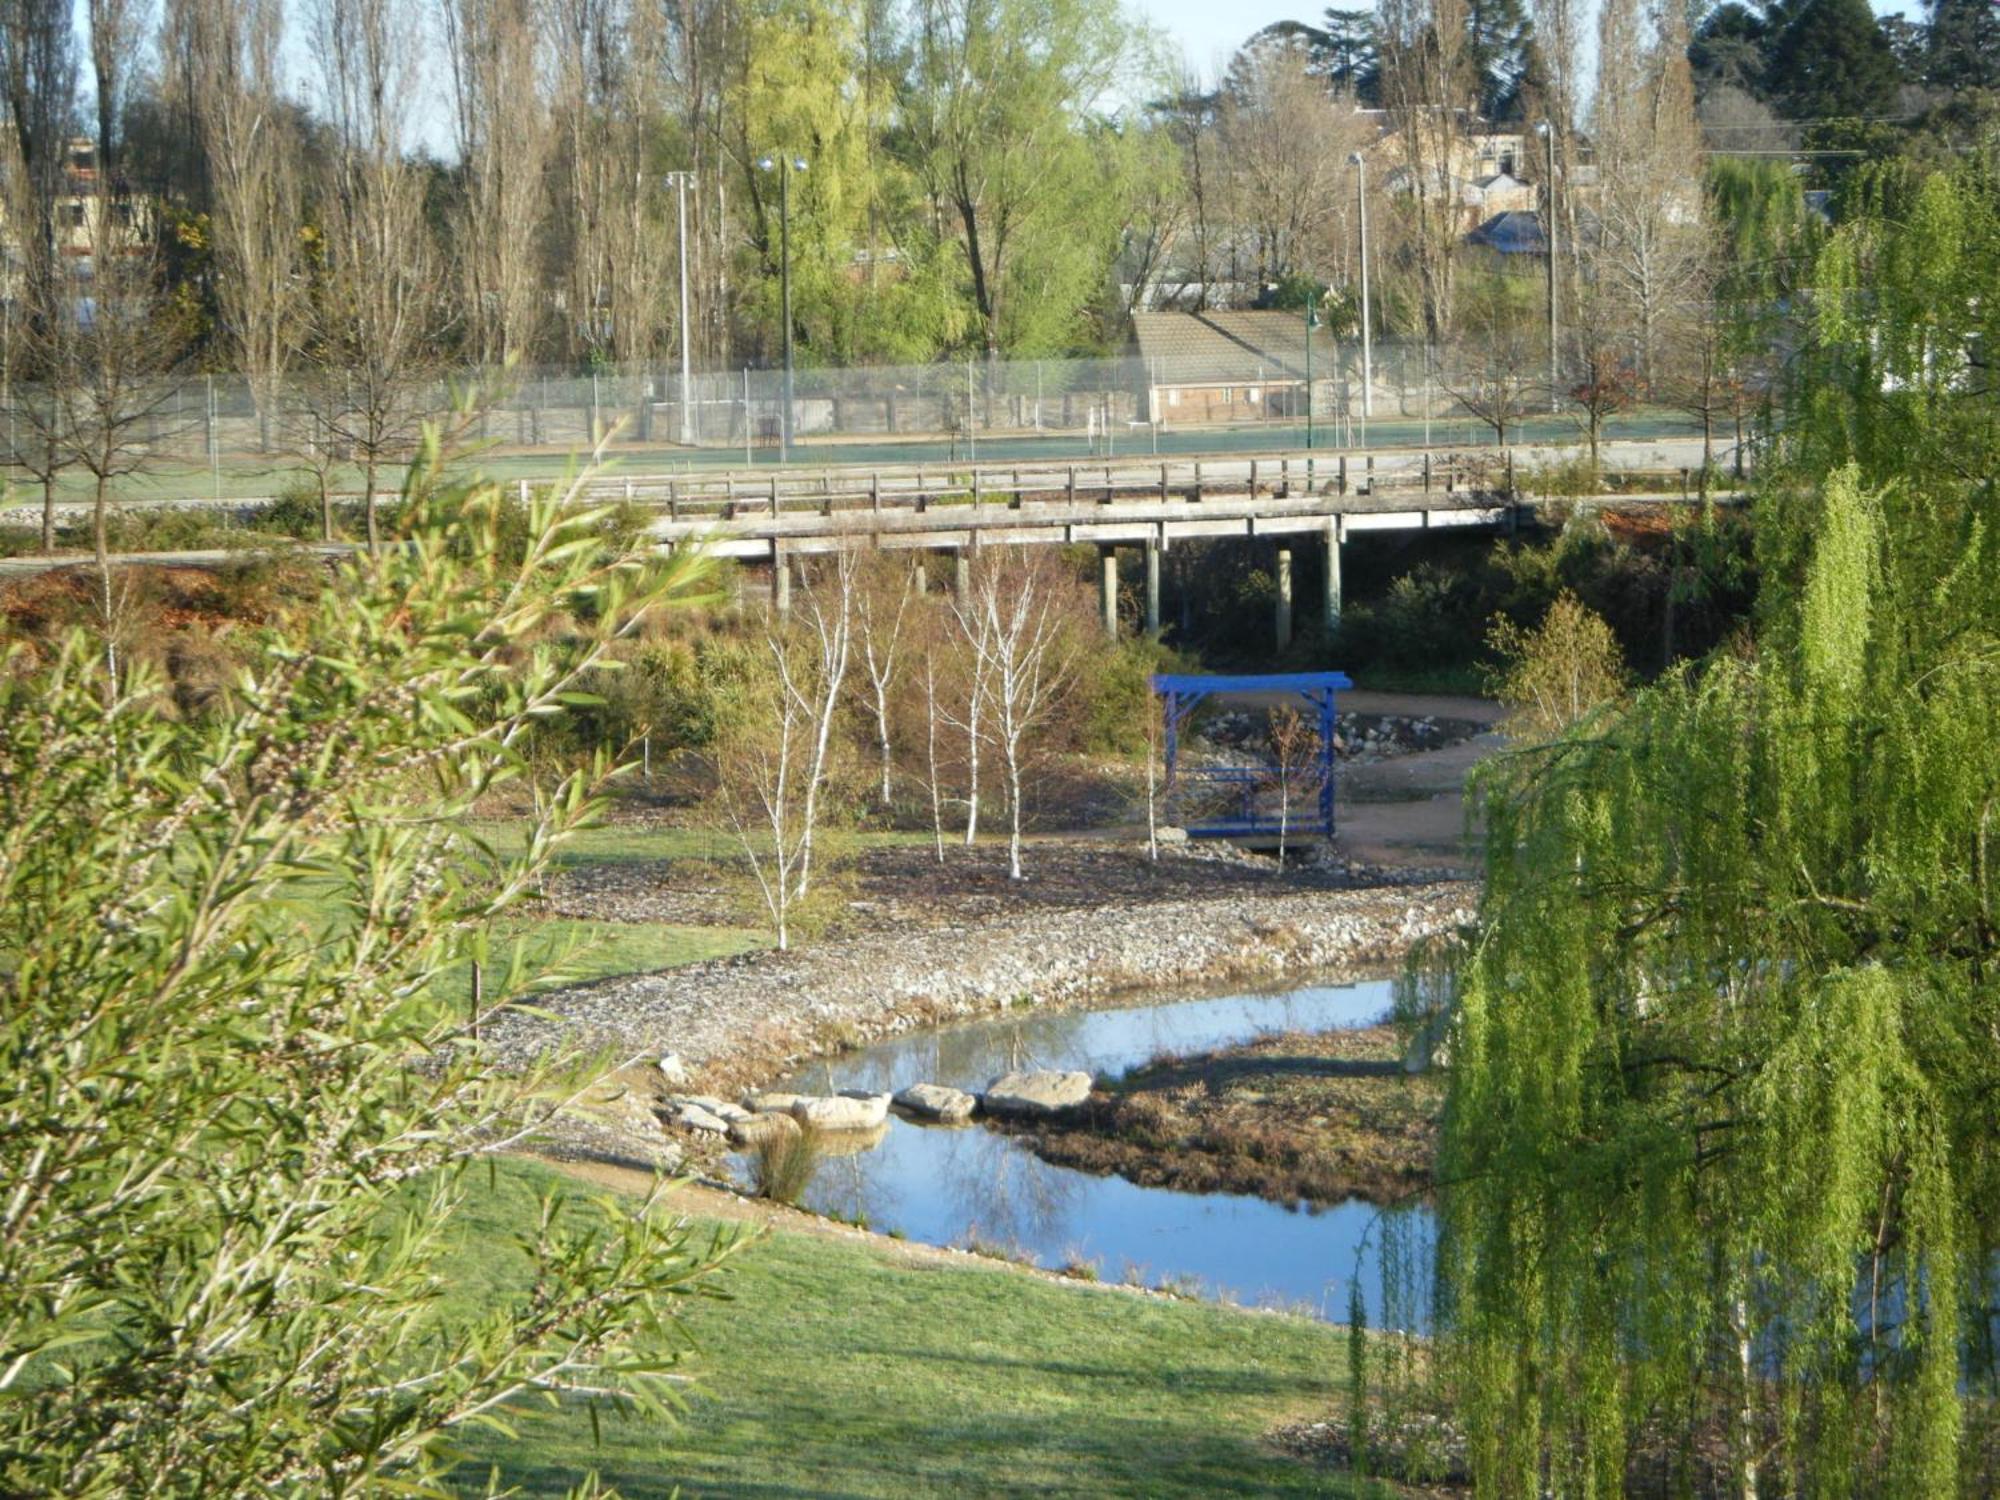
{"points": [[954, 1186]]}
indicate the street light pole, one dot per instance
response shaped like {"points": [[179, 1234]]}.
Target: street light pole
{"points": [[680, 181], [1367, 336], [1548, 136], [785, 166]]}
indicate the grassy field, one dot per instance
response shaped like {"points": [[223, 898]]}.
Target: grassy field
{"points": [[603, 950], [640, 843], [839, 1369]]}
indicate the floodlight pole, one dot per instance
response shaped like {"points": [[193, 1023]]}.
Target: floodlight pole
{"points": [[1367, 337], [785, 166], [680, 181], [1548, 135]]}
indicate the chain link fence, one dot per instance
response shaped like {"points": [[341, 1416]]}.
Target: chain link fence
{"points": [[1237, 398]]}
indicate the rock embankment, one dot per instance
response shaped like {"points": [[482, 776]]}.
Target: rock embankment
{"points": [[737, 1022]]}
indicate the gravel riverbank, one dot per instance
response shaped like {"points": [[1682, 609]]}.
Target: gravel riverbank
{"points": [[739, 1022]]}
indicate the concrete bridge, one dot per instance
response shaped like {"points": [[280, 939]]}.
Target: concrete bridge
{"points": [[1320, 497]]}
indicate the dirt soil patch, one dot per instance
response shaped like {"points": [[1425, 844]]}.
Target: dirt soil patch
{"points": [[1313, 1116]]}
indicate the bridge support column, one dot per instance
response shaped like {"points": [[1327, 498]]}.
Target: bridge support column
{"points": [[1107, 589], [1152, 588], [961, 574], [1332, 600], [1284, 612], [781, 583]]}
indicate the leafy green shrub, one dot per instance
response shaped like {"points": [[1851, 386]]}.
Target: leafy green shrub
{"points": [[1565, 479], [294, 513], [1114, 695]]}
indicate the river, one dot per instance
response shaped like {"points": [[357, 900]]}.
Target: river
{"points": [[969, 1185]]}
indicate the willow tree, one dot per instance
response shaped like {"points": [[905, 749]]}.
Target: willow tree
{"points": [[1723, 1197]]}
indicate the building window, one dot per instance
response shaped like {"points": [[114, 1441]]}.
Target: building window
{"points": [[1173, 398], [1253, 395]]}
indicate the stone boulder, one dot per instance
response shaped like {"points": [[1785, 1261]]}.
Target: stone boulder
{"points": [[722, 1109], [691, 1116], [933, 1101], [1034, 1094], [754, 1130], [770, 1103], [842, 1112]]}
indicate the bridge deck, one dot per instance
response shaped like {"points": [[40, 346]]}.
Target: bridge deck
{"points": [[1139, 501]]}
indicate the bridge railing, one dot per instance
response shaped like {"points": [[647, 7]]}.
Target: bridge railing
{"points": [[1387, 478]]}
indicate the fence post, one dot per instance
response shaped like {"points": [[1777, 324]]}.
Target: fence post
{"points": [[1163, 484], [747, 459], [673, 502], [875, 490], [975, 484], [1253, 479], [1072, 484], [1197, 480], [1427, 471], [1340, 480]]}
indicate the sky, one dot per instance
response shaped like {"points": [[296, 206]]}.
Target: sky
{"points": [[1208, 31]]}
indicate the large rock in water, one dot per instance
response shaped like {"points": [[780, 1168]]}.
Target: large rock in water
{"points": [[842, 1112], [1034, 1093], [936, 1102], [754, 1130], [692, 1116]]}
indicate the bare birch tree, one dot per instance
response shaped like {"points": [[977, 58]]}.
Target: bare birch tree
{"points": [[969, 665], [1020, 616], [882, 594], [773, 759], [814, 677]]}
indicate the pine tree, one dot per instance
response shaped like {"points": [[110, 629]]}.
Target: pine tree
{"points": [[1963, 44], [1831, 61]]}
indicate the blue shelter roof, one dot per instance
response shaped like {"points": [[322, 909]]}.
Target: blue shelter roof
{"points": [[1267, 682]]}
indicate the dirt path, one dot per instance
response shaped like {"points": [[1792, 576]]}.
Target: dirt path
{"points": [[1410, 809]]}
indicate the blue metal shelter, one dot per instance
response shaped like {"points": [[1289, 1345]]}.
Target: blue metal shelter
{"points": [[1182, 693]]}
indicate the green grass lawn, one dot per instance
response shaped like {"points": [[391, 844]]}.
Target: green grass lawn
{"points": [[640, 843], [837, 1372], [603, 950]]}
